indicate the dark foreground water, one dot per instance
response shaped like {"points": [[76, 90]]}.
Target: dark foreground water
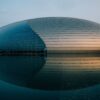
{"points": [[9, 91], [12, 92]]}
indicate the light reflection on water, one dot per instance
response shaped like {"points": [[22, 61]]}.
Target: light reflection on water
{"points": [[73, 63]]}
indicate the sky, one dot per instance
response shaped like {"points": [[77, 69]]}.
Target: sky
{"points": [[16, 10]]}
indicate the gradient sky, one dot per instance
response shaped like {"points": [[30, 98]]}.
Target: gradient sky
{"points": [[16, 10]]}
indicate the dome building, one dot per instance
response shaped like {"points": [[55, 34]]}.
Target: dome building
{"points": [[54, 53]]}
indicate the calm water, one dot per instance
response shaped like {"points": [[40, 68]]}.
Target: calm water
{"points": [[53, 65]]}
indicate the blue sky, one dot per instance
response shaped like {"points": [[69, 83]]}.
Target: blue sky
{"points": [[16, 10]]}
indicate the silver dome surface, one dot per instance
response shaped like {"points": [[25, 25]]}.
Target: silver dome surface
{"points": [[72, 54]]}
